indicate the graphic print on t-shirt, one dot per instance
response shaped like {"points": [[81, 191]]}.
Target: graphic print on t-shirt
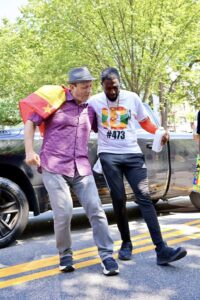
{"points": [[115, 118]]}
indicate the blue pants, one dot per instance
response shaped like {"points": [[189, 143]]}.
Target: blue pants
{"points": [[132, 166]]}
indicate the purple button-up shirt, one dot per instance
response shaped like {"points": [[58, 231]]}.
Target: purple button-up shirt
{"points": [[65, 145]]}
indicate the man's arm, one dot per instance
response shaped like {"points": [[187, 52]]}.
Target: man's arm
{"points": [[93, 118], [32, 158], [145, 122], [150, 127]]}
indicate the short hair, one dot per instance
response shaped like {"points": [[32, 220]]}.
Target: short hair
{"points": [[109, 73]]}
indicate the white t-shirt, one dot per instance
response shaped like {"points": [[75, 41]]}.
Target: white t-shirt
{"points": [[116, 126]]}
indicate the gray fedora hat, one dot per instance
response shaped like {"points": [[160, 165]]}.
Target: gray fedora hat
{"points": [[79, 75]]}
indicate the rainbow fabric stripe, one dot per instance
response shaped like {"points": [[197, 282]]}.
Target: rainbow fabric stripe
{"points": [[196, 180], [118, 118], [45, 101]]}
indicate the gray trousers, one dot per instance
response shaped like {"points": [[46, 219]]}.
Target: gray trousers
{"points": [[58, 188]]}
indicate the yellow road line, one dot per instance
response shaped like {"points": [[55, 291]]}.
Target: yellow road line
{"points": [[52, 272], [46, 262], [192, 222], [84, 253], [142, 242]]}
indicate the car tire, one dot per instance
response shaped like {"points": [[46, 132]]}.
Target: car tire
{"points": [[14, 210], [195, 199]]}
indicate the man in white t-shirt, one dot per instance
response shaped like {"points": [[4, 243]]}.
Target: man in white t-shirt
{"points": [[120, 155]]}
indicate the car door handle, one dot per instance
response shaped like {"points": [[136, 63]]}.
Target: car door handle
{"points": [[149, 145]]}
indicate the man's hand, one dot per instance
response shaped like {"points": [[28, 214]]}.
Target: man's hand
{"points": [[165, 138], [32, 159]]}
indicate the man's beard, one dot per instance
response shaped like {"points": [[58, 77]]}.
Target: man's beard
{"points": [[112, 99]]}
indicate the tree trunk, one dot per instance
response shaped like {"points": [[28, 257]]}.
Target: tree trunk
{"points": [[163, 105]]}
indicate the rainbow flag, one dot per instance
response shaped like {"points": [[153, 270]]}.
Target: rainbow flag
{"points": [[118, 117], [196, 179], [45, 101]]}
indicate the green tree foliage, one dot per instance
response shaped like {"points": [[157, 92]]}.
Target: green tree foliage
{"points": [[143, 39]]}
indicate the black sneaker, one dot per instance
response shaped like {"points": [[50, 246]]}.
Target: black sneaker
{"points": [[110, 266], [168, 254], [66, 264], [125, 252]]}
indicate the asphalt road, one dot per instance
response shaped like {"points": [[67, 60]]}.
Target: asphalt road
{"points": [[29, 267]]}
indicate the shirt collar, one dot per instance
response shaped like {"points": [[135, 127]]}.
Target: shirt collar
{"points": [[69, 95]]}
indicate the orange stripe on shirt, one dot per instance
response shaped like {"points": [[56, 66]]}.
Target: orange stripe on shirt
{"points": [[148, 126]]}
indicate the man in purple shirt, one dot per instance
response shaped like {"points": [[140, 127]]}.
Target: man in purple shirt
{"points": [[64, 164]]}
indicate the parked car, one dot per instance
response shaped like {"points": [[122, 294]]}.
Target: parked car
{"points": [[21, 188]]}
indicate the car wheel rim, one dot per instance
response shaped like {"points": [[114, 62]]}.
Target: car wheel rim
{"points": [[9, 213]]}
